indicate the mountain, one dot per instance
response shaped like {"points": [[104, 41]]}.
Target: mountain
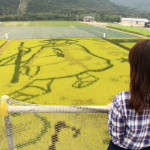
{"points": [[36, 6], [8, 6], [63, 10], [143, 5]]}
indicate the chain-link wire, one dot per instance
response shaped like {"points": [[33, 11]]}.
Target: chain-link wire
{"points": [[56, 131]]}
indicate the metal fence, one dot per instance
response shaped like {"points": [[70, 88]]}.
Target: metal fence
{"points": [[46, 127]]}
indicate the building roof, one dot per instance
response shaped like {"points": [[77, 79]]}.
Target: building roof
{"points": [[135, 19], [88, 17]]}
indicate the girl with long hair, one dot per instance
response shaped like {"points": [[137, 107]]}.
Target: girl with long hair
{"points": [[129, 113]]}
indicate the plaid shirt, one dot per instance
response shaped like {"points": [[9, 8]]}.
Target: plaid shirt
{"points": [[128, 129]]}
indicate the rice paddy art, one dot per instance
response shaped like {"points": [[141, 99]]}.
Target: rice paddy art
{"points": [[63, 71]]}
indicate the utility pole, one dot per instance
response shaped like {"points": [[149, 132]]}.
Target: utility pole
{"points": [[120, 18], [77, 17]]}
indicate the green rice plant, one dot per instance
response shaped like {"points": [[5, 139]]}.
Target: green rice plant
{"points": [[42, 23], [131, 29], [99, 32], [39, 32], [2, 43]]}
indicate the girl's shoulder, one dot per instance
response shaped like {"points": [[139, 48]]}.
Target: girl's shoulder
{"points": [[122, 97], [121, 101]]}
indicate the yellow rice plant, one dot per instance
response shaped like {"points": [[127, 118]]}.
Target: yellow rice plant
{"points": [[64, 71]]}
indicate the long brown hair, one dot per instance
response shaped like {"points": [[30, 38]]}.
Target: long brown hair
{"points": [[139, 59]]}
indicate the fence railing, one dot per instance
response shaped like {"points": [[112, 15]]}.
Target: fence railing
{"points": [[7, 108]]}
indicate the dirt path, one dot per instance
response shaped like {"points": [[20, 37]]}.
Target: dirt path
{"points": [[98, 24]]}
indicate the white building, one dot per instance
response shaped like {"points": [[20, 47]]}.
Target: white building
{"points": [[88, 19], [134, 21]]}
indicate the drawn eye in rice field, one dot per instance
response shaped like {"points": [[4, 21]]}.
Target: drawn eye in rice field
{"points": [[52, 60]]}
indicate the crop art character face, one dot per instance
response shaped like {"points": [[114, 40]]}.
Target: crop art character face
{"points": [[62, 61], [53, 60]]}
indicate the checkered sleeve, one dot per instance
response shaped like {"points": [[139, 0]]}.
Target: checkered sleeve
{"points": [[116, 122]]}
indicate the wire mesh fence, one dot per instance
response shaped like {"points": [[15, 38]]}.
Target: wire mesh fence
{"points": [[3, 137], [54, 127]]}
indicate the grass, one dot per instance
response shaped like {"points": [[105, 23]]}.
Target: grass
{"points": [[42, 23], [140, 31]]}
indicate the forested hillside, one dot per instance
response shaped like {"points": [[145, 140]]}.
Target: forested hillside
{"points": [[8, 6], [138, 4], [64, 10]]}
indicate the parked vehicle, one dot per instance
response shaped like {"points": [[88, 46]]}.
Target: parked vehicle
{"points": [[147, 24]]}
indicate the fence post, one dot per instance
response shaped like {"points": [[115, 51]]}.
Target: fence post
{"points": [[9, 133], [104, 35], [8, 124]]}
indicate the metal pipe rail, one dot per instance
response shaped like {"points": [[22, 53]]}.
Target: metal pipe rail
{"points": [[57, 109]]}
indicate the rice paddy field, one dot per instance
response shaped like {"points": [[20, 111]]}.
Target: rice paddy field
{"points": [[2, 42], [70, 31], [86, 70], [131, 29], [68, 71], [42, 23]]}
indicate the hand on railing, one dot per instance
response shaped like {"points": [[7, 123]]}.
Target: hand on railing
{"points": [[109, 106]]}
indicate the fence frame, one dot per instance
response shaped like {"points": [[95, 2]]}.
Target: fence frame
{"points": [[43, 109]]}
